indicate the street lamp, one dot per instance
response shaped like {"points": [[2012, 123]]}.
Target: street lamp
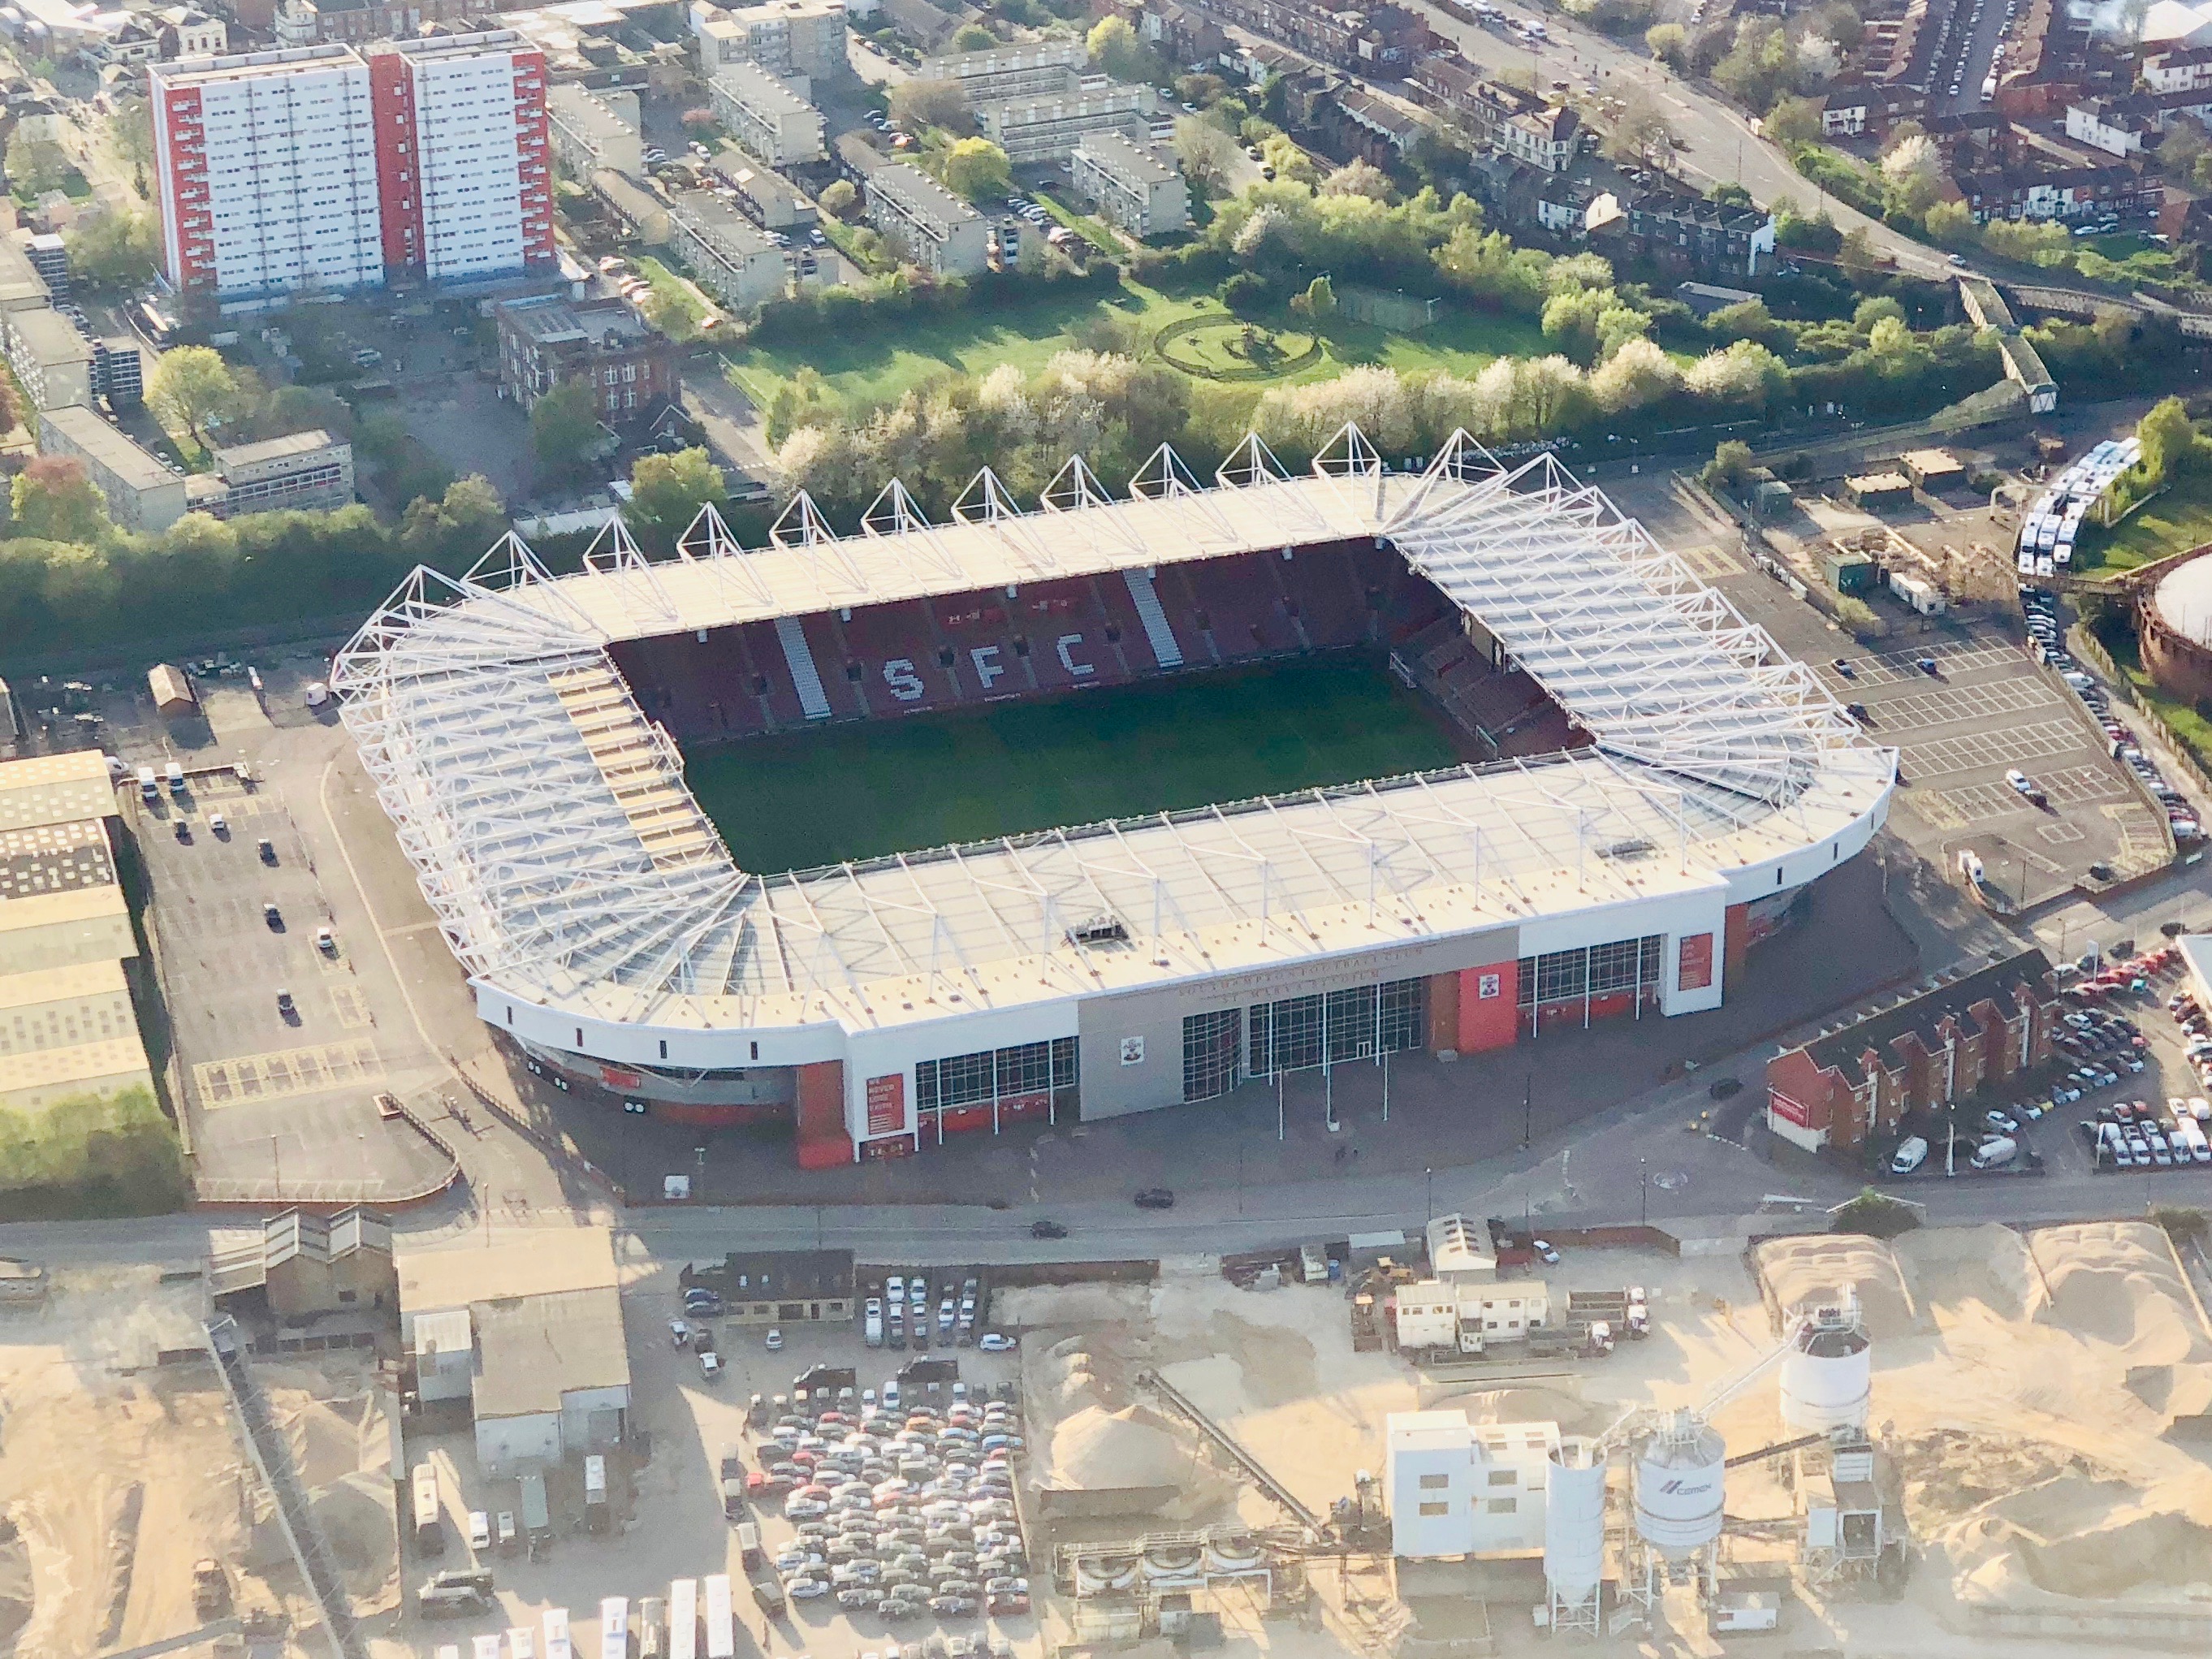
{"points": [[1528, 1113], [1642, 1192], [1430, 1207]]}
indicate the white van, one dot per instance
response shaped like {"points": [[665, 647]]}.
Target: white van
{"points": [[1911, 1154], [1997, 1151]]}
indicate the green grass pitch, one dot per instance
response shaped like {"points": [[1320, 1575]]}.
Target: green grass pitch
{"points": [[803, 799]]}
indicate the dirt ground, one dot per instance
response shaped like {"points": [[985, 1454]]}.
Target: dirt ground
{"points": [[118, 1475], [2038, 1392]]}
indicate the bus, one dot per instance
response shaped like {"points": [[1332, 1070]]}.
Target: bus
{"points": [[614, 1627], [683, 1619], [557, 1634], [429, 1535], [721, 1631]]}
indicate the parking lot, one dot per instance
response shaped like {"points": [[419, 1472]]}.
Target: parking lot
{"points": [[275, 1093], [1983, 709], [669, 1520], [2121, 1060]]}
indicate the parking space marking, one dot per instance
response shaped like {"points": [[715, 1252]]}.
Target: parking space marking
{"points": [[221, 1083], [1895, 666], [2078, 785], [1710, 559], [2059, 835], [352, 1006], [1971, 804], [2040, 741], [1966, 703]]}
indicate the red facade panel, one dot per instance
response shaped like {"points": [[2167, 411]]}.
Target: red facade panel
{"points": [[1489, 1007], [533, 140], [399, 190]]}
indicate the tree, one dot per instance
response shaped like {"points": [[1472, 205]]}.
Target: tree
{"points": [[37, 165], [52, 499], [1875, 309], [1318, 301], [1913, 170], [1291, 164], [978, 169], [2170, 443], [973, 37], [1731, 460], [1206, 151], [1115, 47], [1358, 178], [1818, 59], [915, 105], [667, 491], [839, 198], [468, 515], [1642, 135], [1858, 255], [113, 250], [2185, 143], [1794, 121], [564, 428], [191, 387], [1877, 1215], [1671, 43], [1951, 223], [1760, 66]]}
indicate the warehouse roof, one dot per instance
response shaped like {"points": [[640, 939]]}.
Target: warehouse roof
{"points": [[88, 433], [546, 1262], [53, 789], [86, 1063], [74, 980], [531, 1352]]}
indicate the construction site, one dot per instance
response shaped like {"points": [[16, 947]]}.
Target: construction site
{"points": [[139, 1513], [1969, 1439]]}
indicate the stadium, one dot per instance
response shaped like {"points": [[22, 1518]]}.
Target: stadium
{"points": [[1603, 786]]}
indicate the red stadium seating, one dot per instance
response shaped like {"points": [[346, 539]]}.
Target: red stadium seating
{"points": [[1082, 633]]}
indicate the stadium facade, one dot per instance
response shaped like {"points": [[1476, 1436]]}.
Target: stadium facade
{"points": [[1655, 781]]}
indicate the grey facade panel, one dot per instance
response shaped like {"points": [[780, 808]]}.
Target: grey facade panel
{"points": [[1152, 1019]]}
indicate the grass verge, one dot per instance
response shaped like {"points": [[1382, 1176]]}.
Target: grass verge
{"points": [[2171, 523]]}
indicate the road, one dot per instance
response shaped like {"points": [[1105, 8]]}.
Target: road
{"points": [[1722, 145]]}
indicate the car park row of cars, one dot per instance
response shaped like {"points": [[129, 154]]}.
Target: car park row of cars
{"points": [[900, 1314], [903, 1508], [2135, 1134], [2045, 640]]}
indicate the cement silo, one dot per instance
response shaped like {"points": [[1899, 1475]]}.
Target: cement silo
{"points": [[1574, 1533], [1681, 1486], [1828, 1377]]}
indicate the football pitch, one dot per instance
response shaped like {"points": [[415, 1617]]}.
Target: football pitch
{"points": [[803, 799]]}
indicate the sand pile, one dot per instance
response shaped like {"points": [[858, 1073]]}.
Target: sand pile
{"points": [[1823, 1266], [2130, 1549], [1946, 1267], [2117, 1282], [1094, 1448], [357, 1518]]}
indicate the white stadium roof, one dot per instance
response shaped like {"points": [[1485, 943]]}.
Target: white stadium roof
{"points": [[549, 825]]}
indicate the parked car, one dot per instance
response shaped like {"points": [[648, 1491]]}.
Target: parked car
{"points": [[1151, 1198], [1912, 1152]]}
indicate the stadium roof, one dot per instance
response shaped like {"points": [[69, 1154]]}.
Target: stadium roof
{"points": [[549, 823]]}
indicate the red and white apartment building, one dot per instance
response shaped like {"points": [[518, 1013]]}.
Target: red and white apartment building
{"points": [[322, 167]]}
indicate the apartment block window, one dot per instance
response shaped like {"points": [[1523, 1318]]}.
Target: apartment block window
{"points": [[1504, 1505], [1436, 1509], [1435, 1482], [1505, 1478]]}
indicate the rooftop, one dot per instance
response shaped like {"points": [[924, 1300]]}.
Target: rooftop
{"points": [[750, 87], [544, 1263], [1117, 151], [85, 1062], [54, 857], [88, 432], [580, 110], [87, 979], [716, 220], [55, 788], [916, 192], [1712, 752], [555, 319], [51, 339], [745, 1275], [251, 65], [1841, 1050], [530, 1352], [235, 457], [58, 909]]}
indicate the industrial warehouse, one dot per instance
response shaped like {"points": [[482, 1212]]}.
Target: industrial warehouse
{"points": [[1649, 782]]}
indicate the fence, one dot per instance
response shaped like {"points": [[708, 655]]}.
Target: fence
{"points": [[1400, 313]]}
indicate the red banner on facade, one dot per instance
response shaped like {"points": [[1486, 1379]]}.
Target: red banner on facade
{"points": [[887, 1103], [615, 1078], [1695, 971], [1796, 1111]]}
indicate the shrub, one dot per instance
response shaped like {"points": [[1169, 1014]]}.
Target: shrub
{"points": [[1877, 1215]]}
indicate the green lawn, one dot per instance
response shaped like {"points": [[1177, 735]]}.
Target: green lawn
{"points": [[665, 283], [860, 791], [877, 365], [2179, 519]]}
